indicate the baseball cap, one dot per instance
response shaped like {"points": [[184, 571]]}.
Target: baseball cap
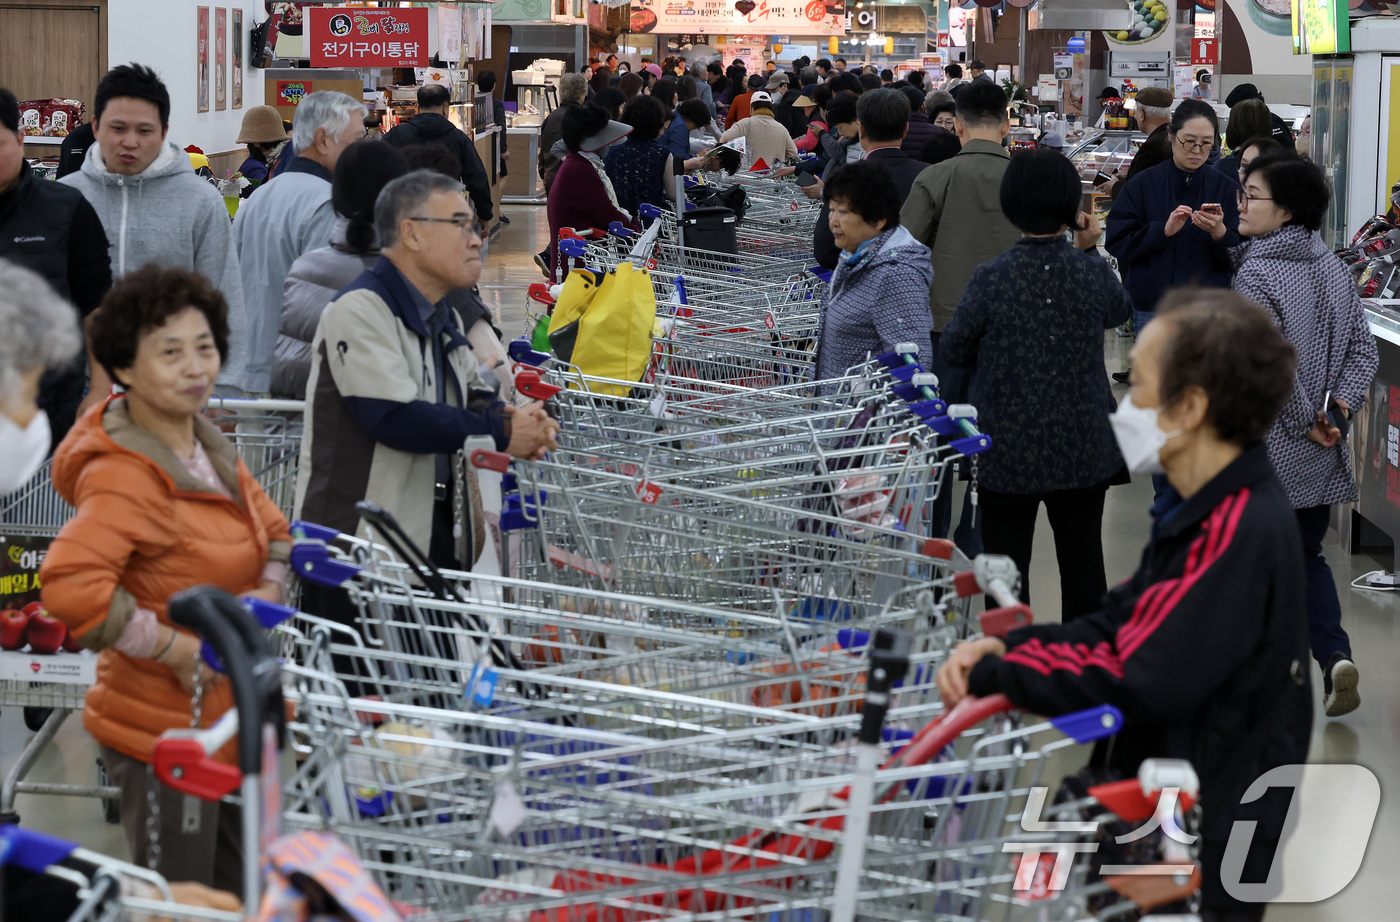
{"points": [[777, 79], [611, 133], [760, 98], [653, 69]]}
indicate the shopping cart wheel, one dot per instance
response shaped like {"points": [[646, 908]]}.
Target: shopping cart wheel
{"points": [[34, 718], [111, 806]]}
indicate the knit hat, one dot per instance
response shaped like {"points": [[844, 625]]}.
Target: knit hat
{"points": [[1052, 139], [261, 125]]}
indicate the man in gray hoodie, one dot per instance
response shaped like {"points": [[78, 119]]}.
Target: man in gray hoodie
{"points": [[147, 196]]}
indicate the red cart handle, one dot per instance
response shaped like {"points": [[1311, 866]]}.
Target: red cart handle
{"points": [[497, 461], [539, 292], [183, 760], [528, 383]]}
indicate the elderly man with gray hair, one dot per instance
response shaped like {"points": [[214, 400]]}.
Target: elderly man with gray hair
{"points": [[293, 215], [395, 391], [41, 332]]}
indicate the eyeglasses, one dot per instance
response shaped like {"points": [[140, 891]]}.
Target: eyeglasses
{"points": [[1197, 146], [462, 222], [1242, 199], [945, 122]]}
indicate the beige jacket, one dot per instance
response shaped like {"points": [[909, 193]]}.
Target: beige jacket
{"points": [[764, 139]]}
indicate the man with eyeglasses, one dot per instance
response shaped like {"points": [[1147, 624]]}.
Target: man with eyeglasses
{"points": [[395, 391]]}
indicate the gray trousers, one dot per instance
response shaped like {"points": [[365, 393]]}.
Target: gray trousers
{"points": [[212, 856]]}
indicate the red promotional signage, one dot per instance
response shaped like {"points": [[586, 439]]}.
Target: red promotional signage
{"points": [[1203, 51], [340, 36]]}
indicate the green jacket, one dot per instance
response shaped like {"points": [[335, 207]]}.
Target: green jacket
{"points": [[966, 190]]}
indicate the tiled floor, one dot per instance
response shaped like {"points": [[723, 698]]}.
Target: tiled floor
{"points": [[1369, 737]]}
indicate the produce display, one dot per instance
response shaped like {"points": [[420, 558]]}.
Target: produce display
{"points": [[33, 627], [50, 118]]}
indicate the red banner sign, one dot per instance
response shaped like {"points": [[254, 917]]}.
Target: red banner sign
{"points": [[1203, 51], [340, 36]]}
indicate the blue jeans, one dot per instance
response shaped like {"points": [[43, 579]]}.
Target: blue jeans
{"points": [[1325, 633]]}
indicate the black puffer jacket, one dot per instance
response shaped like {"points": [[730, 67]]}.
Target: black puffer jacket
{"points": [[1204, 650], [431, 128]]}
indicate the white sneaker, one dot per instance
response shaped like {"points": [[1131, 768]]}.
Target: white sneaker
{"points": [[1339, 681]]}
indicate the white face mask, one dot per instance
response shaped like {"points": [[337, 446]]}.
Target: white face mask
{"points": [[1139, 437], [25, 450]]}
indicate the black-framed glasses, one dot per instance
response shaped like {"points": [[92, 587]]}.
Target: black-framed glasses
{"points": [[463, 222], [1242, 199], [1197, 146]]}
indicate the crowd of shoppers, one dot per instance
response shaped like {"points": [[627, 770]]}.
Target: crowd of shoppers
{"points": [[348, 280]]}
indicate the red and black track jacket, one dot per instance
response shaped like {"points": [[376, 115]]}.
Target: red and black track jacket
{"points": [[1205, 641]]}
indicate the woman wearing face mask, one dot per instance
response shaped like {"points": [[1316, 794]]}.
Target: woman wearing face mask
{"points": [[1287, 269], [163, 504], [41, 332], [1203, 649]]}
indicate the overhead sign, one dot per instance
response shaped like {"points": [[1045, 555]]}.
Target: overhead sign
{"points": [[719, 17], [1203, 51], [340, 36], [1321, 27]]}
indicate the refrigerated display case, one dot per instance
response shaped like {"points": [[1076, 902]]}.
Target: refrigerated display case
{"points": [[1103, 152]]}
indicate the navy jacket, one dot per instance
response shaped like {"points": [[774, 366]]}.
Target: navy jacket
{"points": [[1205, 643], [1150, 261], [1031, 324]]}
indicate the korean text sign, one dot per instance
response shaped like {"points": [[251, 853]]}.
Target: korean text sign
{"points": [[360, 37]]}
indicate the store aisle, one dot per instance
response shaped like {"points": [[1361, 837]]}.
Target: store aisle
{"points": [[1370, 736]]}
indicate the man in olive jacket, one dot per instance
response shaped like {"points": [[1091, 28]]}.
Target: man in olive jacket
{"points": [[954, 209]]}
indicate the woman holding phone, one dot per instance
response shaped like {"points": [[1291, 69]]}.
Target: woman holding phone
{"points": [[1174, 224], [1287, 269]]}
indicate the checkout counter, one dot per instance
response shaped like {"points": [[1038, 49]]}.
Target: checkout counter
{"points": [[1375, 443]]}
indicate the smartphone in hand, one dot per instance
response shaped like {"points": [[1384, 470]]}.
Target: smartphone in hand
{"points": [[1212, 208]]}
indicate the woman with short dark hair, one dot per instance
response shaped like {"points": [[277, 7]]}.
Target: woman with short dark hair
{"points": [[630, 85], [585, 198], [878, 295], [1031, 325], [1286, 268], [1202, 649], [163, 504], [640, 168]]}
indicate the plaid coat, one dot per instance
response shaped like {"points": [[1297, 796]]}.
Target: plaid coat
{"points": [[1313, 300]]}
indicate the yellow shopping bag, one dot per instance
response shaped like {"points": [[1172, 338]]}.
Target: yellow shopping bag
{"points": [[603, 324]]}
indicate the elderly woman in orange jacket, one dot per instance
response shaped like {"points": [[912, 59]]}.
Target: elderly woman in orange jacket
{"points": [[163, 504]]}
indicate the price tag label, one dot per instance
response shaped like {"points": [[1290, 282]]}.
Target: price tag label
{"points": [[508, 810], [770, 321], [649, 492]]}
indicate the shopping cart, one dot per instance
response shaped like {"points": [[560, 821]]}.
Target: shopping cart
{"points": [[267, 434]]}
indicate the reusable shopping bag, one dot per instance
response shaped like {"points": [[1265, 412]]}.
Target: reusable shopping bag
{"points": [[602, 323]]}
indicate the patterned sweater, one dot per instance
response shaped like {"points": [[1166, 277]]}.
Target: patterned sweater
{"points": [[875, 301], [1031, 325], [1313, 301]]}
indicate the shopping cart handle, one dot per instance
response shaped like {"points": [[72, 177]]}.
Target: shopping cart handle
{"points": [[966, 714], [1090, 725], [528, 383], [311, 559], [269, 615], [521, 350], [182, 759], [690, 206], [933, 412], [618, 229], [972, 445], [497, 461], [303, 530], [574, 248], [539, 293], [998, 622], [648, 210], [30, 850]]}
